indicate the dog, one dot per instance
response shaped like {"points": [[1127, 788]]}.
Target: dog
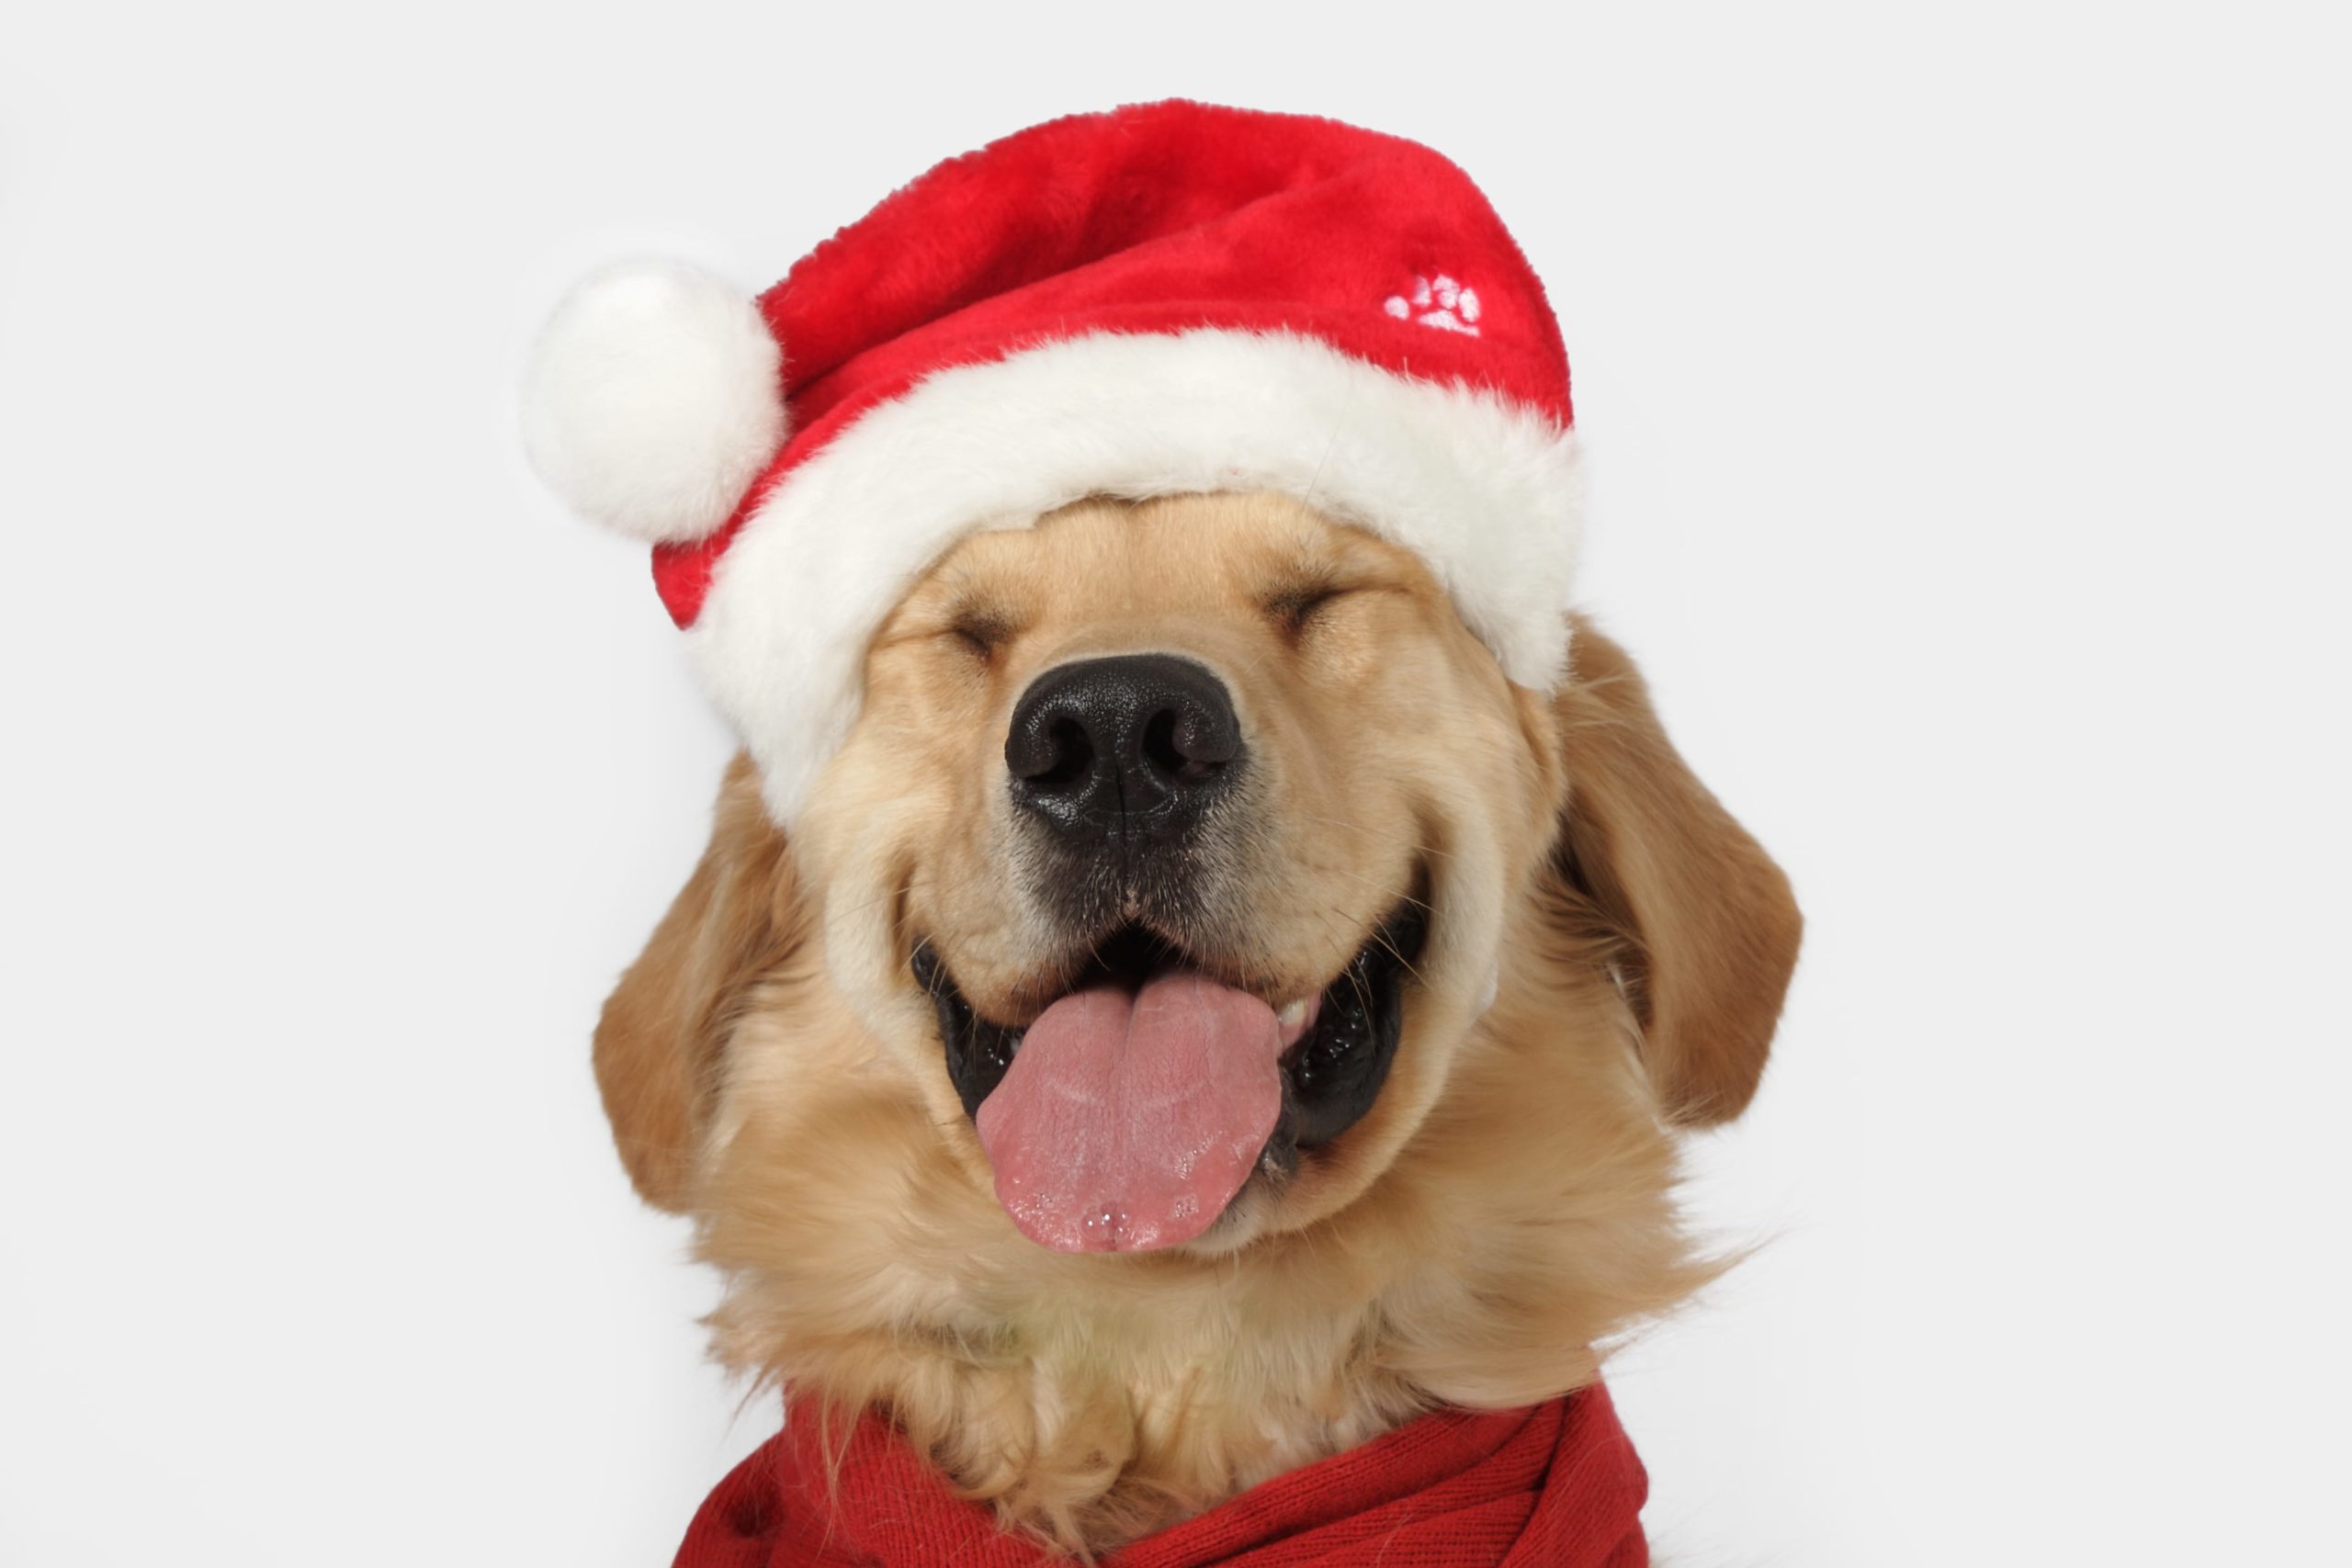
{"points": [[1202, 962], [1486, 951]]}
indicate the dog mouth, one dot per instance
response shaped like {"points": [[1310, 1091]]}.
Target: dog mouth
{"points": [[1129, 1113]]}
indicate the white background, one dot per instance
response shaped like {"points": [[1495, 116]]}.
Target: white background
{"points": [[1966, 390]]}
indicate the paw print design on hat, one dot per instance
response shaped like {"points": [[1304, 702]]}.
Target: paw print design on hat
{"points": [[1438, 302]]}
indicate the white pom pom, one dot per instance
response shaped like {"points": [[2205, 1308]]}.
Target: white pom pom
{"points": [[653, 400]]}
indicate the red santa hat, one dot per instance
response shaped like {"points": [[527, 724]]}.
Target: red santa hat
{"points": [[1167, 298]]}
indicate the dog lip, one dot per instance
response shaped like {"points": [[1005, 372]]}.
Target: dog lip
{"points": [[1334, 1071], [979, 1050]]}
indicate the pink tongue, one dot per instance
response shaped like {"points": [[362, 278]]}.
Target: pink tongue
{"points": [[1128, 1122]]}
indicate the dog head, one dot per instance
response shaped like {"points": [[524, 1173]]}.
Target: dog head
{"points": [[1176, 855]]}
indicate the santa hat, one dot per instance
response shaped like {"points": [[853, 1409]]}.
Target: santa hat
{"points": [[1167, 298]]}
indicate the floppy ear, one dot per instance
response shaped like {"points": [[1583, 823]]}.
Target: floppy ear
{"points": [[658, 1043], [1706, 926]]}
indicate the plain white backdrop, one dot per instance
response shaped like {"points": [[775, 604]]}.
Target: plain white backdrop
{"points": [[1966, 391]]}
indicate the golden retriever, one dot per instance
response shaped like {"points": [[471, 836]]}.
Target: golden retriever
{"points": [[1479, 951]]}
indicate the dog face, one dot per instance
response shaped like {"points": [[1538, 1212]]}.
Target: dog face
{"points": [[1170, 859], [1204, 1013]]}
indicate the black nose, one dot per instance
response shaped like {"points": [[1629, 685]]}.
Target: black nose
{"points": [[1129, 748]]}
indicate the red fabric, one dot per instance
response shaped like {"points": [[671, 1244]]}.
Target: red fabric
{"points": [[1159, 218], [1556, 1485]]}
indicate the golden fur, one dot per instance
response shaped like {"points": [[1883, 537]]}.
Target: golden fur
{"points": [[772, 1069]]}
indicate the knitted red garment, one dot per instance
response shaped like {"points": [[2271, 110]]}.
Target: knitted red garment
{"points": [[1556, 1485]]}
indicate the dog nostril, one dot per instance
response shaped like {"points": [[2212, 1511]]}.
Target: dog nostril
{"points": [[1069, 756], [1050, 753], [1183, 748]]}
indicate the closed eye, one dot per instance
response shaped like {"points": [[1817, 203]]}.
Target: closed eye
{"points": [[980, 629], [1294, 609]]}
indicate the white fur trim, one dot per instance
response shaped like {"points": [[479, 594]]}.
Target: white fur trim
{"points": [[1485, 491], [653, 400]]}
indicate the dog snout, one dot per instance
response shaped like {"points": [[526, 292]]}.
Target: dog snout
{"points": [[1134, 748]]}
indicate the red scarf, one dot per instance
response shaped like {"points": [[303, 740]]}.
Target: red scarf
{"points": [[1553, 1486]]}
